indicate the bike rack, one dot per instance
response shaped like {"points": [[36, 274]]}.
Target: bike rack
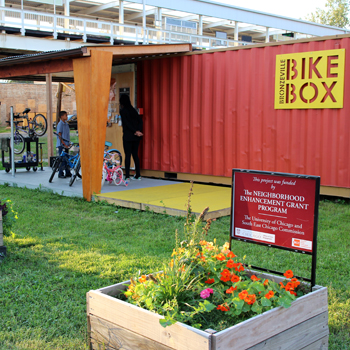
{"points": [[24, 164]]}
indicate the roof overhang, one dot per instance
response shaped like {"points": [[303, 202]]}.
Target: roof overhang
{"points": [[60, 63]]}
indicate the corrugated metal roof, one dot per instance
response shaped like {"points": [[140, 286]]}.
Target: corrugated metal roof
{"points": [[41, 56]]}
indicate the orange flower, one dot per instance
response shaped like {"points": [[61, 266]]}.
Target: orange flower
{"points": [[231, 255], [239, 267], [201, 256], [295, 282], [282, 285], [269, 295], [221, 257], [202, 242], [235, 278], [143, 279], [225, 272], [242, 295], [223, 307], [230, 264], [210, 281], [289, 286], [266, 282], [225, 275], [254, 278], [225, 278], [231, 290], [288, 274], [250, 299], [292, 293]]}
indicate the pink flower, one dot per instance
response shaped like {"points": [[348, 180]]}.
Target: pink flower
{"points": [[206, 293]]}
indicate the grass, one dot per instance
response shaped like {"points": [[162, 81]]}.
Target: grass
{"points": [[4, 129], [64, 247]]}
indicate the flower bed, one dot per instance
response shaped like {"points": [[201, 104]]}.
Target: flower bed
{"points": [[208, 298]]}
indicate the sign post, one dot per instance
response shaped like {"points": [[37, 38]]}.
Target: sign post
{"points": [[276, 210]]}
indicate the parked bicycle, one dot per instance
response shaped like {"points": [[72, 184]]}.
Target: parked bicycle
{"points": [[112, 172], [35, 127], [112, 151], [73, 162]]}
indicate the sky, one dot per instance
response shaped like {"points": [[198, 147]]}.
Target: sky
{"points": [[293, 8]]}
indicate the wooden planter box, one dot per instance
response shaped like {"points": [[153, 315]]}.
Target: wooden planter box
{"points": [[115, 324], [2, 247]]}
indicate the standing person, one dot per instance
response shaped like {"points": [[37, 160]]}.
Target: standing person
{"points": [[132, 132], [63, 140]]}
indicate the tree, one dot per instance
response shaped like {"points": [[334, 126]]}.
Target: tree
{"points": [[335, 14]]}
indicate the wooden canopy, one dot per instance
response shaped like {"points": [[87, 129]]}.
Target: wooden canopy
{"points": [[91, 69]]}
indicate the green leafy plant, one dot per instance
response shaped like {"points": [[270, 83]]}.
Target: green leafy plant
{"points": [[9, 216], [208, 286]]}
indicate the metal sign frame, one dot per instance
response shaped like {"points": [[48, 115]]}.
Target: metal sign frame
{"points": [[316, 181]]}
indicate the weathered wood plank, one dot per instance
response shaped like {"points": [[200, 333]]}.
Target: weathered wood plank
{"points": [[305, 333], [321, 344], [112, 336], [120, 202], [146, 323], [114, 289], [272, 322]]}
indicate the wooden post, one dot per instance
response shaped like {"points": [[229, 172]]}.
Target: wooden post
{"points": [[1, 230], [49, 114], [92, 77], [59, 102]]}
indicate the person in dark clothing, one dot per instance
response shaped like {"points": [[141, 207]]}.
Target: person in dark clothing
{"points": [[132, 132]]}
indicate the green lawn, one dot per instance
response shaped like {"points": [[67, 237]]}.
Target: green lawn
{"points": [[62, 247], [4, 129]]}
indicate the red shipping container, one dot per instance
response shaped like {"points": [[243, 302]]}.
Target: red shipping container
{"points": [[206, 113]]}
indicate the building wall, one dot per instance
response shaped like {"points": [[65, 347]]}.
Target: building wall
{"points": [[208, 113], [33, 96]]}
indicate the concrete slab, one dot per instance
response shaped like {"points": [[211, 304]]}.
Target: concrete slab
{"points": [[40, 179]]}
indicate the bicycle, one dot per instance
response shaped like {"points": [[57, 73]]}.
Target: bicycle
{"points": [[113, 151], [112, 172], [34, 128], [72, 161]]}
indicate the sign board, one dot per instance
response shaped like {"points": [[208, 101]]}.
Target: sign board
{"points": [[308, 80], [275, 209]]}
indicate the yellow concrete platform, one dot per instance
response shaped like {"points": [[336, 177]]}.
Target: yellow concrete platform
{"points": [[172, 199]]}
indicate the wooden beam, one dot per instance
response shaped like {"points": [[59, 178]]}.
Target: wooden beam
{"points": [[49, 115], [53, 66], [68, 86], [140, 49], [92, 77]]}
